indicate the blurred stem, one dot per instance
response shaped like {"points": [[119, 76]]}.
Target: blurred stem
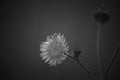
{"points": [[83, 66], [97, 50], [112, 59]]}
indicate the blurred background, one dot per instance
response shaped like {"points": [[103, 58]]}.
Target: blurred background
{"points": [[25, 24]]}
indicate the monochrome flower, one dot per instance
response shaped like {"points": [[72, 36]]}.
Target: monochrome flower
{"points": [[53, 49]]}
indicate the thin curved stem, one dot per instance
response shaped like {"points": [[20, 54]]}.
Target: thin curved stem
{"points": [[97, 50], [87, 70], [112, 60], [83, 66]]}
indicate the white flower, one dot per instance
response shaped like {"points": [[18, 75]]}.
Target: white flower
{"points": [[53, 50]]}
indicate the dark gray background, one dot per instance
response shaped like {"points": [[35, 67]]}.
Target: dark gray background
{"points": [[26, 24]]}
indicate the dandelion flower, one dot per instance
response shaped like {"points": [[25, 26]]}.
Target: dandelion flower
{"points": [[53, 49]]}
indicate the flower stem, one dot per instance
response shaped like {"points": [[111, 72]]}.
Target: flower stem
{"points": [[112, 59], [87, 70], [97, 49], [83, 66]]}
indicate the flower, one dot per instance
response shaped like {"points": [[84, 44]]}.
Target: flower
{"points": [[53, 49], [101, 16]]}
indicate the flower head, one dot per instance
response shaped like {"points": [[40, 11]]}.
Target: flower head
{"points": [[53, 50], [101, 16]]}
